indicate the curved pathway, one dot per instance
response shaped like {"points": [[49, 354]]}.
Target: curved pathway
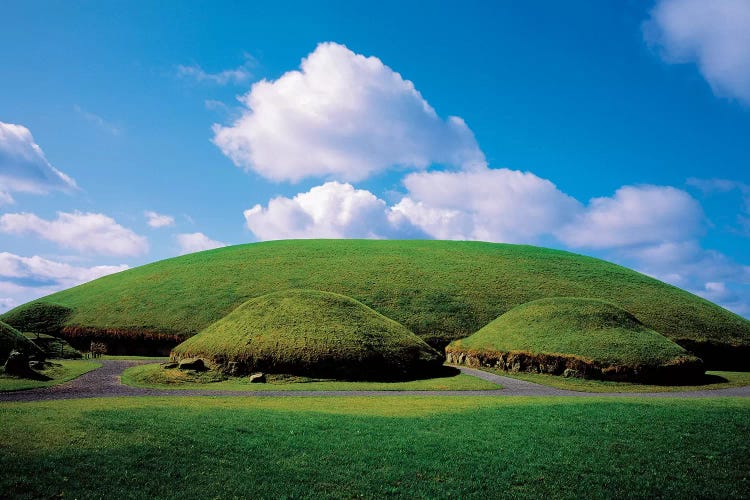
{"points": [[105, 382]]}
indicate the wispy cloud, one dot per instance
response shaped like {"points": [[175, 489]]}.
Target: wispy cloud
{"points": [[156, 220], [196, 242], [238, 75], [712, 186], [24, 167], [97, 120], [714, 34]]}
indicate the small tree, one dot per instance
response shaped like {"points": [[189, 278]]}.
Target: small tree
{"points": [[98, 349]]}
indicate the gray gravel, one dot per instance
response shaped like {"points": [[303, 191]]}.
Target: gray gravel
{"points": [[105, 382]]}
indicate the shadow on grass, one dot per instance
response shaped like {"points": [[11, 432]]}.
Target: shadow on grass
{"points": [[709, 379], [442, 372]]}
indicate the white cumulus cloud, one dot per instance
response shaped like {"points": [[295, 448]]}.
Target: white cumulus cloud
{"points": [[85, 232], [715, 34], [485, 204], [635, 215], [156, 220], [332, 210], [344, 115], [196, 242], [23, 166]]}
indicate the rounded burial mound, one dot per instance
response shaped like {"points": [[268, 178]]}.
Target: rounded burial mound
{"points": [[576, 336], [11, 339], [308, 332], [440, 290]]}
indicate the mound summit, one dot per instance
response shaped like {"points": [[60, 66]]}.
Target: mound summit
{"points": [[440, 290], [307, 332], [584, 337]]}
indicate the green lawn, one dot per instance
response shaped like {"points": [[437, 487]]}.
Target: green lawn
{"points": [[69, 369], [464, 447], [714, 380], [153, 376]]}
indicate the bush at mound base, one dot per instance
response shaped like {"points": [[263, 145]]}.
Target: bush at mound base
{"points": [[580, 337], [308, 332]]}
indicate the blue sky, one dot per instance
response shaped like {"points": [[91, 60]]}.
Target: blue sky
{"points": [[132, 132]]}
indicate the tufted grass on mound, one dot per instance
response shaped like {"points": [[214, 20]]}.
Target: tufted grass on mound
{"points": [[440, 290], [308, 332], [11, 339], [593, 337]]}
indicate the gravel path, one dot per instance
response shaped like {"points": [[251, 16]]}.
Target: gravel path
{"points": [[105, 382]]}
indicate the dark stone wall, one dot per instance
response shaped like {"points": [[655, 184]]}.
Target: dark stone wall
{"points": [[685, 371]]}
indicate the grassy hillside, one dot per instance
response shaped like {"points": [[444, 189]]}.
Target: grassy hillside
{"points": [[308, 332], [593, 333], [440, 290], [11, 339]]}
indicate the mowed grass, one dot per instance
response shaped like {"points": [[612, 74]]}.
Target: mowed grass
{"points": [[460, 447], [155, 377], [156, 359], [591, 329], [712, 380], [437, 289], [69, 369]]}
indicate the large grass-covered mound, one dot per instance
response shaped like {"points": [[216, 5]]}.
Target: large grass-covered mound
{"points": [[11, 339], [308, 332], [440, 290], [586, 337]]}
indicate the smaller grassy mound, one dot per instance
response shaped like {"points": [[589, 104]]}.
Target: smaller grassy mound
{"points": [[11, 339], [576, 337], [38, 317], [308, 332]]}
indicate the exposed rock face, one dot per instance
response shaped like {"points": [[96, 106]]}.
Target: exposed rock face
{"points": [[37, 365], [18, 366], [235, 369], [196, 364], [683, 371]]}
